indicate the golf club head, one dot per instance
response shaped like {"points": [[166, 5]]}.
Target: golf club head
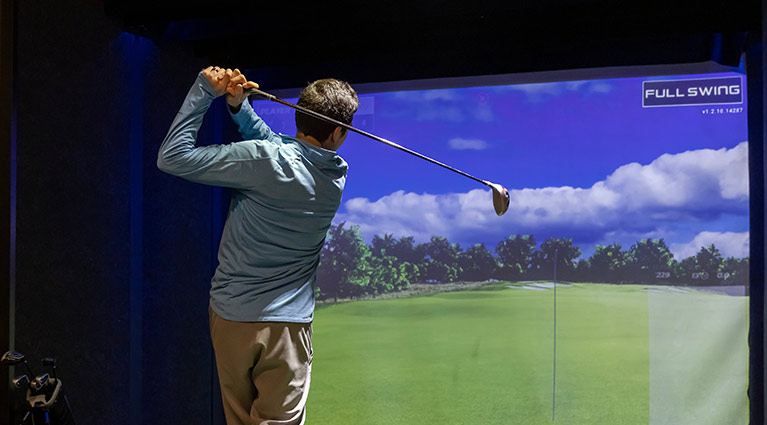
{"points": [[11, 358], [20, 381], [501, 198], [40, 382], [50, 362]]}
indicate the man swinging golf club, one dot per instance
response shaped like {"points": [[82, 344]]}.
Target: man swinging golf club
{"points": [[286, 192]]}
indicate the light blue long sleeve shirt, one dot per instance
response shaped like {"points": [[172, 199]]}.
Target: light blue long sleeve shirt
{"points": [[286, 193]]}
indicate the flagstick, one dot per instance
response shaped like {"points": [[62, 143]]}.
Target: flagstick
{"points": [[554, 384]]}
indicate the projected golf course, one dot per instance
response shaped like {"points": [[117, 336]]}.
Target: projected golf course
{"points": [[625, 354], [637, 206]]}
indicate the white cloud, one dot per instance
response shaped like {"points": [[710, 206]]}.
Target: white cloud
{"points": [[449, 105], [467, 144], [483, 113], [446, 94], [693, 180], [419, 215], [539, 92], [431, 105], [575, 85], [439, 113], [730, 244], [693, 186], [419, 96], [600, 87]]}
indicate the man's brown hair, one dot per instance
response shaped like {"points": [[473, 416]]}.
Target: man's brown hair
{"points": [[330, 97]]}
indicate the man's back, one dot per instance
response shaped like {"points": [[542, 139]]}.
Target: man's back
{"points": [[274, 233]]}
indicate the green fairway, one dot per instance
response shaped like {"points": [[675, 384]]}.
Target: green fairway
{"points": [[485, 356]]}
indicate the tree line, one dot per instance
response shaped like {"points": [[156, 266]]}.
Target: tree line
{"points": [[350, 268]]}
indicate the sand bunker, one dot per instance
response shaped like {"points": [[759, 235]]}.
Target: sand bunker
{"points": [[539, 286]]}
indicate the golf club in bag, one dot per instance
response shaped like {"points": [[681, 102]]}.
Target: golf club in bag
{"points": [[500, 194], [45, 401]]}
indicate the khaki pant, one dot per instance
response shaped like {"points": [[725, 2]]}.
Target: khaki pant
{"points": [[264, 369]]}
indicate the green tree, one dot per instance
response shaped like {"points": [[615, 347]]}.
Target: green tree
{"points": [[477, 264], [443, 265], [515, 255], [381, 246], [405, 249], [583, 271], [686, 269], [542, 265], [402, 250], [649, 260], [411, 272], [731, 270], [608, 263], [437, 272], [386, 275], [742, 272], [440, 249], [343, 269], [709, 261]]}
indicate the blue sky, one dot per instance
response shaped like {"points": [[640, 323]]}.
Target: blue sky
{"points": [[583, 160]]}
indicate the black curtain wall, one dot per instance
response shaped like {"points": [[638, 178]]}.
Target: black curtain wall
{"points": [[113, 257]]}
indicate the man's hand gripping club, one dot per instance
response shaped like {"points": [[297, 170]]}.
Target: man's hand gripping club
{"points": [[231, 83]]}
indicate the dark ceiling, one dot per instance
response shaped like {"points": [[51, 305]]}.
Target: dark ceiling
{"points": [[395, 40]]}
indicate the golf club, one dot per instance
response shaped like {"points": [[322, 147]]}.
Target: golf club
{"points": [[51, 363], [13, 358], [40, 382], [20, 380], [500, 194]]}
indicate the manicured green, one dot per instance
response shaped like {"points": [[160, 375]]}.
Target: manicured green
{"points": [[485, 356]]}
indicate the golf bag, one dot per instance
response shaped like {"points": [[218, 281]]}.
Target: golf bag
{"points": [[48, 407], [45, 402]]}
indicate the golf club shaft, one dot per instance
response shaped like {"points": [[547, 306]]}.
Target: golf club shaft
{"points": [[317, 115]]}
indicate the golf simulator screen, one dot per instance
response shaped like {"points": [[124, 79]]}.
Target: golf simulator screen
{"points": [[613, 291]]}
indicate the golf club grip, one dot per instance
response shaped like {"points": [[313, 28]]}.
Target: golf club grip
{"points": [[276, 99]]}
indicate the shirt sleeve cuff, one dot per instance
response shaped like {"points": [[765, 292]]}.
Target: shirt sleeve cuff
{"points": [[241, 113], [205, 85]]}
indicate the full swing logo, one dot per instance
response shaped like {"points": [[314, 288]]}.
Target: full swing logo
{"points": [[703, 91]]}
